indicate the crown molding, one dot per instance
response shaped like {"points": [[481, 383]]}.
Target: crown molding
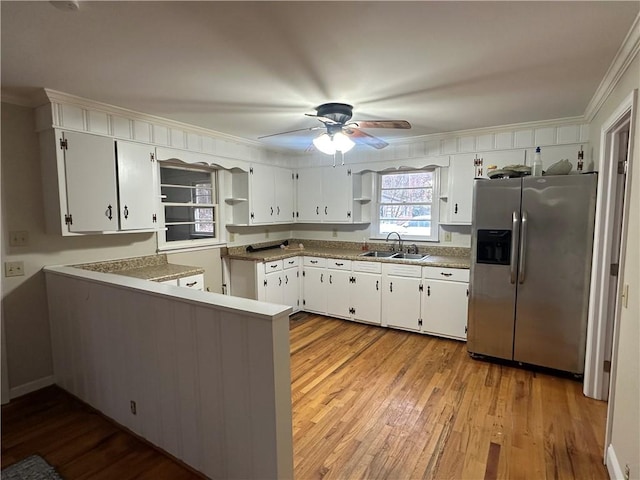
{"points": [[512, 127], [625, 55], [55, 96]]}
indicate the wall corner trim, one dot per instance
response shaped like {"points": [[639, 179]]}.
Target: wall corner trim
{"points": [[625, 55]]}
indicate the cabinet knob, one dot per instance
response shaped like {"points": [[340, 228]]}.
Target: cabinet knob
{"points": [[109, 212]]}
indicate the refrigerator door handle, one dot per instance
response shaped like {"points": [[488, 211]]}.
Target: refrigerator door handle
{"points": [[523, 248], [515, 220]]}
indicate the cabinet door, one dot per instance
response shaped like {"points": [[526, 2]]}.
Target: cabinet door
{"points": [[309, 195], [365, 297], [460, 201], [90, 171], [137, 186], [291, 288], [314, 290], [262, 194], [401, 302], [444, 308], [338, 289], [337, 190], [273, 288], [284, 195]]}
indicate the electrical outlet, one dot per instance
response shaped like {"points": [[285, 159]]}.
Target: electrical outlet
{"points": [[447, 236], [13, 269], [18, 238], [133, 407], [627, 472]]}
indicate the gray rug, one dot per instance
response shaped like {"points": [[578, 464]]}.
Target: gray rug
{"points": [[31, 468]]}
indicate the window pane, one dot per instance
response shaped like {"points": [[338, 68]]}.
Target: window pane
{"points": [[405, 203]]}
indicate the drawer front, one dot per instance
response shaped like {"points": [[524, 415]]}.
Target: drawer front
{"points": [[453, 274], [401, 270], [193, 281], [314, 262], [171, 282], [292, 262], [336, 264], [272, 266], [367, 267]]}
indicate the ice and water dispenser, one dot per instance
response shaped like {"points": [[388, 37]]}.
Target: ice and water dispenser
{"points": [[494, 247]]}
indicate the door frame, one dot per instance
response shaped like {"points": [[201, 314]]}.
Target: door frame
{"points": [[595, 385]]}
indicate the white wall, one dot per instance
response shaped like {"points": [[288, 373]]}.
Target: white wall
{"points": [[625, 419]]}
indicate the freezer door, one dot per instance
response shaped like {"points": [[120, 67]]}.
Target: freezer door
{"points": [[555, 267], [492, 295]]}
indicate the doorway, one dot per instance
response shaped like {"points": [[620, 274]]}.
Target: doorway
{"points": [[609, 246]]}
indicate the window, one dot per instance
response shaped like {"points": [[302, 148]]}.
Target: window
{"points": [[190, 207], [408, 204]]}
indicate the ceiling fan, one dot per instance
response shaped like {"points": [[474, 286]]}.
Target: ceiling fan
{"points": [[341, 131]]}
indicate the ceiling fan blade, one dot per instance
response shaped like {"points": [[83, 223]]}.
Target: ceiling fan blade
{"points": [[381, 124], [290, 131], [363, 137], [322, 119]]}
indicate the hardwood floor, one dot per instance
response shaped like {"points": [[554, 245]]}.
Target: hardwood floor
{"points": [[377, 403], [367, 403]]}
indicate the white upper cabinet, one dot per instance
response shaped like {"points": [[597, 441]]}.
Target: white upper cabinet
{"points": [[137, 183], [88, 188], [326, 195], [262, 196], [460, 199], [91, 186]]}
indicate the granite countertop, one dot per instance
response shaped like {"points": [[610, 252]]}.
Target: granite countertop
{"points": [[152, 267], [449, 257]]}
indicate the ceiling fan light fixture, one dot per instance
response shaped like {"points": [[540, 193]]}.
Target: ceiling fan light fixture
{"points": [[342, 142], [325, 144]]}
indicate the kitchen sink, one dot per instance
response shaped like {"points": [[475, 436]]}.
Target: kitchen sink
{"points": [[377, 253], [408, 256]]}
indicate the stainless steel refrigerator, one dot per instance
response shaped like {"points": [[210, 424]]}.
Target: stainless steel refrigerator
{"points": [[532, 240]]}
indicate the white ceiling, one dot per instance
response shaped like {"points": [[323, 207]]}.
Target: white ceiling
{"points": [[254, 68]]}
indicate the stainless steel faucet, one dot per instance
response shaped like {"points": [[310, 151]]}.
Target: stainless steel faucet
{"points": [[399, 241]]}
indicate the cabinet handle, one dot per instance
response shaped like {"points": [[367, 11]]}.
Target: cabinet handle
{"points": [[446, 274], [455, 210], [321, 277], [317, 210], [273, 266], [191, 284], [331, 279], [286, 279], [126, 212], [377, 285], [291, 262], [279, 281], [325, 211], [391, 286], [272, 211], [313, 261], [278, 210], [109, 212], [428, 291], [339, 264]]}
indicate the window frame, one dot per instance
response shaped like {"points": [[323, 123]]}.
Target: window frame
{"points": [[193, 243], [435, 207]]}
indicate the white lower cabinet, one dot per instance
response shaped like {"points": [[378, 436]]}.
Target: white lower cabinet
{"points": [[366, 290], [444, 302], [339, 288], [314, 291], [291, 283], [192, 281], [281, 283], [401, 296]]}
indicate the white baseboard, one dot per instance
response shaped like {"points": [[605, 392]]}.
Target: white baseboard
{"points": [[613, 467], [25, 388]]}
